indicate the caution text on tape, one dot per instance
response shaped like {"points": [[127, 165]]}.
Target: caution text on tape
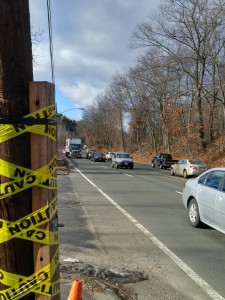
{"points": [[27, 227], [9, 131], [39, 282], [25, 178]]}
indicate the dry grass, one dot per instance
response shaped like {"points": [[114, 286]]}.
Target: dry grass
{"points": [[214, 154]]}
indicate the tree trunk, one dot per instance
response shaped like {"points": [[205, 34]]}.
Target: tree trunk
{"points": [[200, 124], [16, 255], [122, 131]]}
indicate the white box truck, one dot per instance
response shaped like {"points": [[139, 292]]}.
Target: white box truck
{"points": [[73, 147]]}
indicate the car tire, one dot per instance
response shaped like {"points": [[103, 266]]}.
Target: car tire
{"points": [[153, 165], [172, 172], [117, 167], [112, 165], [131, 167], [161, 167], [185, 174], [193, 214]]}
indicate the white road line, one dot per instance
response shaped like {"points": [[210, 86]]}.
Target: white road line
{"points": [[194, 276], [128, 175]]}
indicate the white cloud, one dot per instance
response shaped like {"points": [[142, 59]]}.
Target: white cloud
{"points": [[90, 43], [80, 93], [42, 64]]}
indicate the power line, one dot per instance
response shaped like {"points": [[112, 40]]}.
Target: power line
{"points": [[50, 39]]}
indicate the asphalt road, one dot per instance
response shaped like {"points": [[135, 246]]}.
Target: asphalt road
{"points": [[135, 219]]}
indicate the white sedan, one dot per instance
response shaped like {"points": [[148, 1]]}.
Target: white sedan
{"points": [[204, 197], [188, 167]]}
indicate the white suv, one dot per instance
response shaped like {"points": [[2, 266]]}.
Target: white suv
{"points": [[109, 155], [122, 159]]}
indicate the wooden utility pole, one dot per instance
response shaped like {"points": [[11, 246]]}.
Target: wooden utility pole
{"points": [[43, 150], [22, 259], [16, 255]]}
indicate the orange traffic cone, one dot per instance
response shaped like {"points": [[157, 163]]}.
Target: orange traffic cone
{"points": [[76, 290]]}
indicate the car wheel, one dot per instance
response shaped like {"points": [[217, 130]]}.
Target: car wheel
{"points": [[117, 166], [153, 165], [193, 214], [112, 166], [172, 172], [185, 174], [131, 167], [161, 167]]}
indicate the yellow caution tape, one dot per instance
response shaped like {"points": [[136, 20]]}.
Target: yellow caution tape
{"points": [[26, 228], [9, 131], [36, 235], [41, 236], [14, 187], [27, 178], [13, 171], [39, 282]]}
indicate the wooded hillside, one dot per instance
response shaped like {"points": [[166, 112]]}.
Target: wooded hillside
{"points": [[175, 92], [174, 97]]}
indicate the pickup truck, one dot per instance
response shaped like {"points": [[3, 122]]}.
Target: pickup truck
{"points": [[163, 160]]}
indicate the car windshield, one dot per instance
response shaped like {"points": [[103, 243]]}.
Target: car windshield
{"points": [[197, 162], [75, 146], [123, 155], [167, 156], [98, 154]]}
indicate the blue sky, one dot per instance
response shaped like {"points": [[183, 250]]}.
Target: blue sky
{"points": [[90, 44]]}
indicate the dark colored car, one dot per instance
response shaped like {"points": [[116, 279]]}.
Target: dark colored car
{"points": [[90, 153], [163, 160], [98, 156]]}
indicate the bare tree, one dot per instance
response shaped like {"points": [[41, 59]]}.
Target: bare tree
{"points": [[176, 91], [183, 30]]}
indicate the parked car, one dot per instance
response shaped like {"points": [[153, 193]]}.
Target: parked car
{"points": [[98, 156], [90, 153], [163, 160], [122, 160], [109, 155], [204, 197], [188, 167]]}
